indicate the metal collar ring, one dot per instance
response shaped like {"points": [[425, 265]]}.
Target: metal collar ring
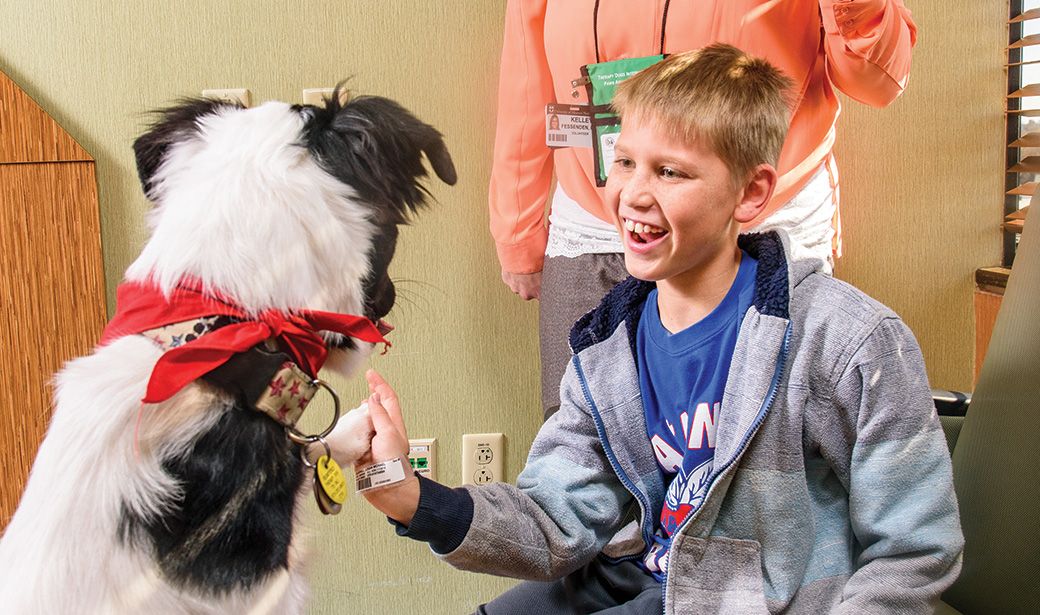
{"points": [[303, 440]]}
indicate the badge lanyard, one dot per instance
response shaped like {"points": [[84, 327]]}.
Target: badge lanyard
{"points": [[595, 125], [595, 27]]}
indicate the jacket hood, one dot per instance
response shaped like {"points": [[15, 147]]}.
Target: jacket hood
{"points": [[773, 283]]}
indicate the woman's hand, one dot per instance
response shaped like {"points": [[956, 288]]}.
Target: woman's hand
{"points": [[527, 285], [398, 501]]}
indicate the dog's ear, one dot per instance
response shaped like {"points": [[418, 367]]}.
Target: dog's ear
{"points": [[432, 142], [375, 145], [172, 124]]}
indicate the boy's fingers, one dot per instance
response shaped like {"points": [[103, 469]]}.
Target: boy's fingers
{"points": [[381, 421], [388, 398], [374, 380]]}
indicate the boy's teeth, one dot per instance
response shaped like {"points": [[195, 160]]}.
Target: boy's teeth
{"points": [[639, 227]]}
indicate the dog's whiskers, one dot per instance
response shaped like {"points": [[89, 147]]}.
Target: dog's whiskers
{"points": [[427, 285], [406, 300], [415, 297]]}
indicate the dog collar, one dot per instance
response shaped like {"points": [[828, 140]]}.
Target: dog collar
{"points": [[185, 325], [261, 377]]}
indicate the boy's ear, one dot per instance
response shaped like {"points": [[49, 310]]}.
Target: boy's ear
{"points": [[755, 194]]}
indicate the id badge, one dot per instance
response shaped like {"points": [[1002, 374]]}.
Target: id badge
{"points": [[568, 126], [601, 81], [607, 136]]}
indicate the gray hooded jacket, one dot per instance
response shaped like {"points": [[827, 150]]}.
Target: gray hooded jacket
{"points": [[832, 489]]}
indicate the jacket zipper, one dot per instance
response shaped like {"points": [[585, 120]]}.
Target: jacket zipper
{"points": [[762, 412], [644, 504]]}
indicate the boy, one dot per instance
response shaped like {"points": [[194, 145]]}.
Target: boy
{"points": [[769, 429]]}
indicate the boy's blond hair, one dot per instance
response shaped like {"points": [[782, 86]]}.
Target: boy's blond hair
{"points": [[739, 104]]}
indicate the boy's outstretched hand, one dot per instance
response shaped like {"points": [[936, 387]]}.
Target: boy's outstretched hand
{"points": [[398, 501]]}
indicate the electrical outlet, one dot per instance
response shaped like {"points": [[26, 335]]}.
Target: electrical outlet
{"points": [[422, 454], [234, 95], [317, 96], [483, 455]]}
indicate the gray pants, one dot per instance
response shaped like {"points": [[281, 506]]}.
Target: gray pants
{"points": [[599, 587], [570, 288]]}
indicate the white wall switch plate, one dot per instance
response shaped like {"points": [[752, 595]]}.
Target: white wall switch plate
{"points": [[422, 454], [316, 96], [235, 95], [483, 455]]}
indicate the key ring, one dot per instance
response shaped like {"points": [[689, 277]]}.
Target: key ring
{"points": [[303, 451], [302, 440]]}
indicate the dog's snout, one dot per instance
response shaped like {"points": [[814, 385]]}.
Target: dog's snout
{"points": [[381, 297]]}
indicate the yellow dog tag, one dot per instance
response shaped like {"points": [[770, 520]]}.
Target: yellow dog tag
{"points": [[331, 478]]}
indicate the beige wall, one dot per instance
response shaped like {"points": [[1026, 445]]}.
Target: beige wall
{"points": [[921, 187], [922, 182]]}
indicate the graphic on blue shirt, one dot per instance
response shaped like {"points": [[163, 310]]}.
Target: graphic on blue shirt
{"points": [[682, 377], [686, 490]]}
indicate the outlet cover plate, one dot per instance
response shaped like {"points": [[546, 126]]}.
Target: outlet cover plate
{"points": [[483, 457], [422, 454]]}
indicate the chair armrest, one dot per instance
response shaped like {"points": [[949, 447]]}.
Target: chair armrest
{"points": [[951, 403]]}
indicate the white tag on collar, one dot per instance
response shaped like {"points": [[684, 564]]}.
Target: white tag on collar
{"points": [[567, 126]]}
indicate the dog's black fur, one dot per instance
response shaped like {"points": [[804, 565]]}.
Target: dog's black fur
{"points": [[233, 522], [232, 525]]}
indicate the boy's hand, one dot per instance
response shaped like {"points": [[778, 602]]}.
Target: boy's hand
{"points": [[398, 501]]}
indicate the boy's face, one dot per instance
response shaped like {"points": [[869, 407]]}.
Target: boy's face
{"points": [[674, 203]]}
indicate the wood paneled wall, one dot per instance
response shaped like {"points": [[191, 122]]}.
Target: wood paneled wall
{"points": [[52, 292]]}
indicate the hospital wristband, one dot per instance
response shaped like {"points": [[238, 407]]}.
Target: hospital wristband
{"points": [[381, 474]]}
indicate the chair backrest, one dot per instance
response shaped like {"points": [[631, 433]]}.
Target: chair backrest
{"points": [[996, 462]]}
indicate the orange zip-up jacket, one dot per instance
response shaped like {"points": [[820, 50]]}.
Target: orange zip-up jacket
{"points": [[861, 46]]}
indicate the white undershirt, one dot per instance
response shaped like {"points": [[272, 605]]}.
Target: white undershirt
{"points": [[574, 231], [808, 218]]}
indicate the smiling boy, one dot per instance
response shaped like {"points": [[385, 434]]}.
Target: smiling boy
{"points": [[768, 430]]}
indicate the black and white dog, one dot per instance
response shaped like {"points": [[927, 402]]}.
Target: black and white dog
{"points": [[275, 226]]}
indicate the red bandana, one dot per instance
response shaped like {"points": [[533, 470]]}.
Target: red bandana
{"points": [[141, 307]]}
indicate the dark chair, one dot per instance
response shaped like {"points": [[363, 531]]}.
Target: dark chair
{"points": [[952, 407]]}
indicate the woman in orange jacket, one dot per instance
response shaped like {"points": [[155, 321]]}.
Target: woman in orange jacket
{"points": [[861, 47]]}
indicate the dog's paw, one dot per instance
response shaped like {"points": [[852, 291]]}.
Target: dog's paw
{"points": [[352, 436]]}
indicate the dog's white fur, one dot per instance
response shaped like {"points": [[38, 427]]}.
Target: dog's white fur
{"points": [[307, 240], [306, 248]]}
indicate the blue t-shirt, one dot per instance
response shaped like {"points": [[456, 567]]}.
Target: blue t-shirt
{"points": [[682, 377]]}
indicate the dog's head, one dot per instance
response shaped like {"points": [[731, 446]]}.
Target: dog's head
{"points": [[374, 145], [282, 206]]}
